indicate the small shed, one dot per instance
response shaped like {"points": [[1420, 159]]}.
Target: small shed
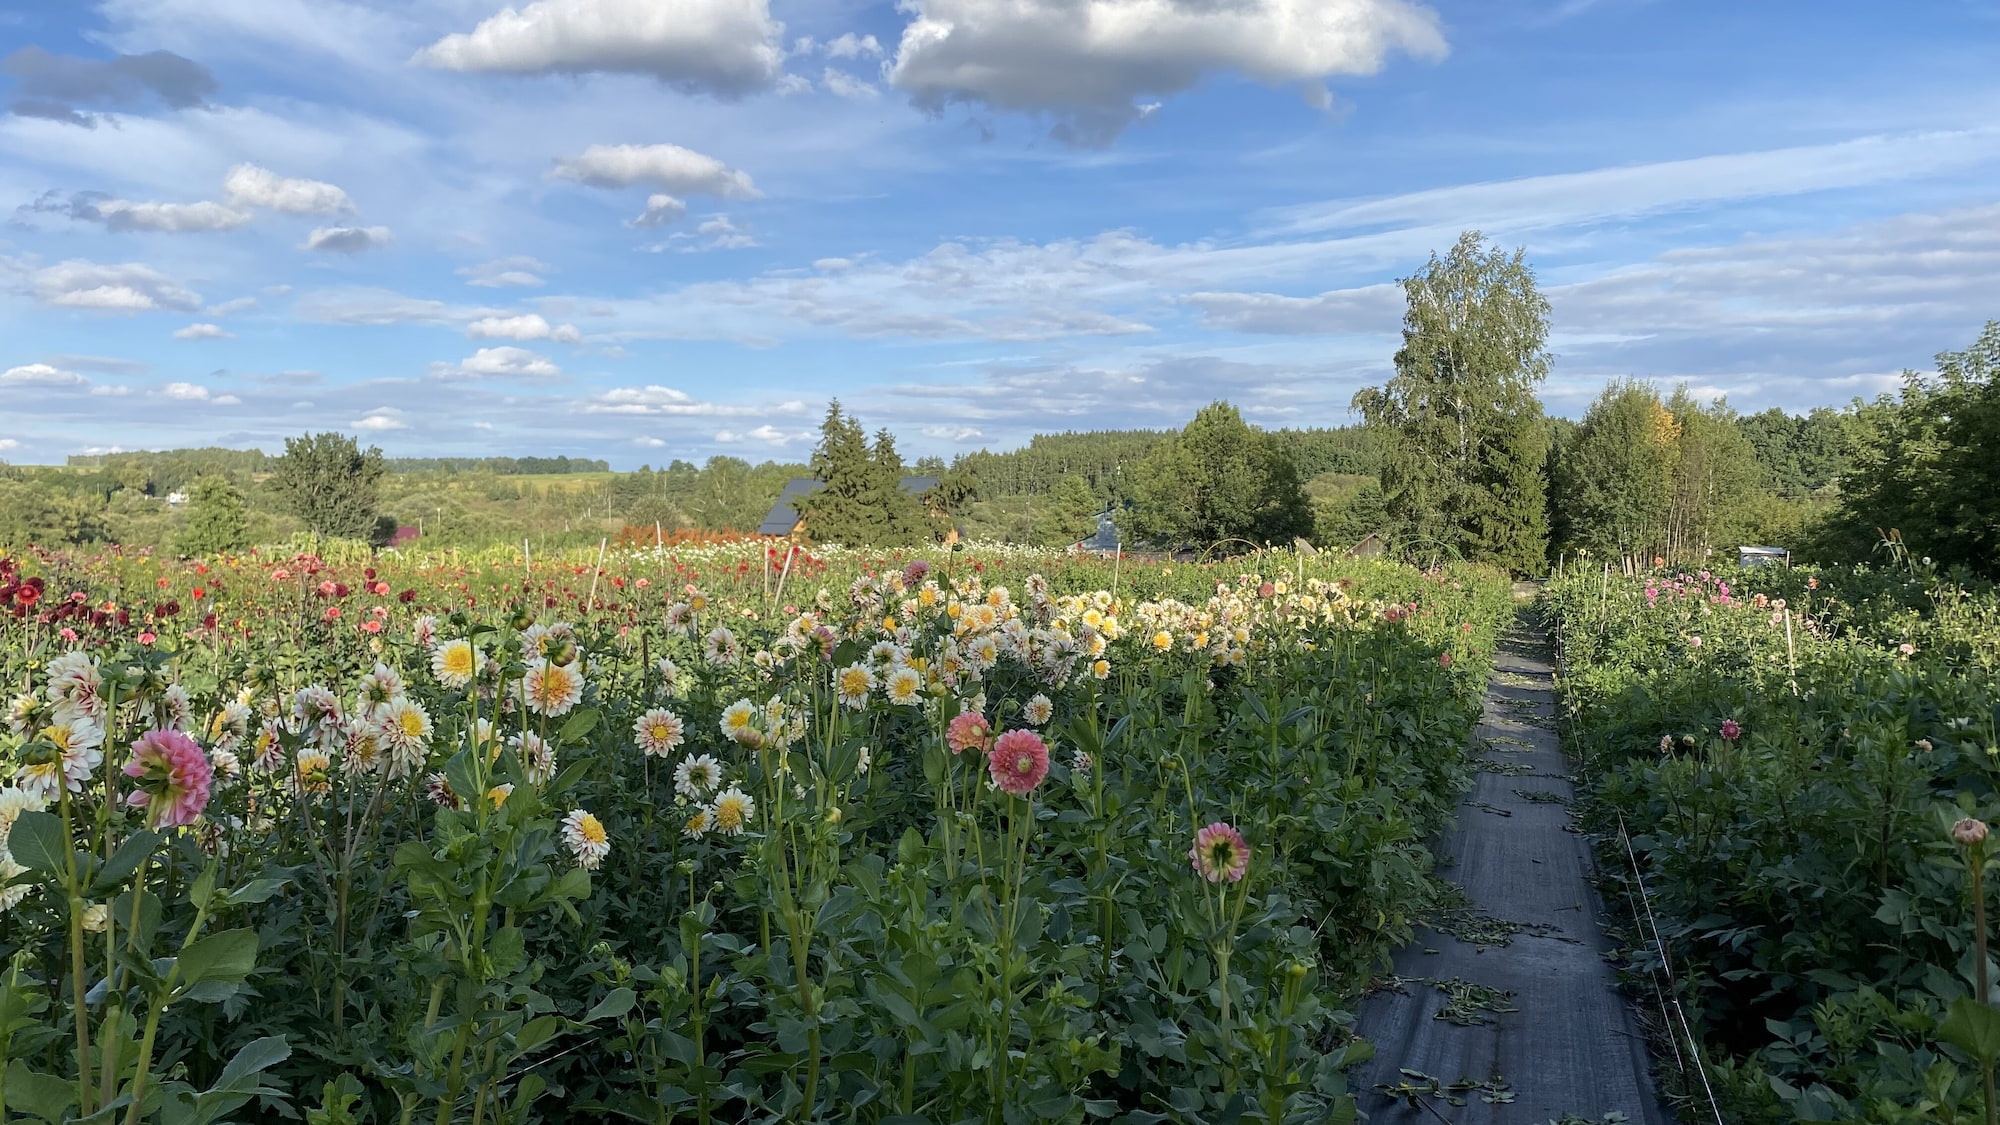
{"points": [[783, 519], [1373, 547]]}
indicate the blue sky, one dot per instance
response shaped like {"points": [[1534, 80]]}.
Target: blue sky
{"points": [[648, 229]]}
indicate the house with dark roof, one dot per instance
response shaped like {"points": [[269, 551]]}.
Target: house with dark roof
{"points": [[784, 515]]}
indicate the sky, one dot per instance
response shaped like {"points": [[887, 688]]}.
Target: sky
{"points": [[642, 230]]}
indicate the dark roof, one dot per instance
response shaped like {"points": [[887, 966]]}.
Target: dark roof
{"points": [[784, 515]]}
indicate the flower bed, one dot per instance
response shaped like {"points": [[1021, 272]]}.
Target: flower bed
{"points": [[1789, 751], [718, 835]]}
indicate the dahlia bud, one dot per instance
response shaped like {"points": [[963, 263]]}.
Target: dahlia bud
{"points": [[1969, 831], [97, 918]]}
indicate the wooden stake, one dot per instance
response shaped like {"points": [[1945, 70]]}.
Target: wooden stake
{"points": [[592, 599]]}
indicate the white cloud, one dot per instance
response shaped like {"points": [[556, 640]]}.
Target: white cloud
{"points": [[526, 326], [842, 84], [202, 332], [721, 47], [502, 362], [128, 287], [661, 209], [123, 215], [953, 433], [670, 168], [195, 392], [850, 47], [1536, 202], [504, 272], [40, 375], [654, 399], [9, 444], [650, 442], [1089, 62], [766, 433], [251, 186], [347, 240], [380, 419], [1370, 308], [234, 306]]}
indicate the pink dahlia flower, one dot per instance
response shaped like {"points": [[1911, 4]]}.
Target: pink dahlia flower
{"points": [[969, 731], [1018, 761], [173, 776], [1220, 853], [1731, 729]]}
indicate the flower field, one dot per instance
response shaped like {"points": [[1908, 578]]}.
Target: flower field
{"points": [[1805, 763], [716, 834]]}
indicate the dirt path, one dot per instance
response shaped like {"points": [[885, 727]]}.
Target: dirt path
{"points": [[1510, 999]]}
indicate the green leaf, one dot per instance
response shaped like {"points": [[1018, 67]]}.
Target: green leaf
{"points": [[536, 1032], [204, 887], [577, 725], [43, 1095], [256, 890], [39, 842], [227, 956], [256, 1055], [615, 1004], [1974, 1028], [134, 851]]}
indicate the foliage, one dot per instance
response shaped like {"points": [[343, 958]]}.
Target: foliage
{"points": [[1641, 478], [1463, 464], [1923, 464], [882, 936], [1218, 480], [1788, 751], [218, 521], [329, 483]]}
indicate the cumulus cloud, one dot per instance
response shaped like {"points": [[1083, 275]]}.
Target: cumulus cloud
{"points": [[661, 209], [526, 326], [502, 362], [195, 392], [202, 332], [53, 86], [125, 215], [504, 272], [722, 47], [670, 168], [848, 46], [1089, 63], [235, 305], [380, 419], [766, 433], [250, 186], [40, 375], [129, 287], [8, 445], [347, 240]]}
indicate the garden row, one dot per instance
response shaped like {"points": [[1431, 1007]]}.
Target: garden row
{"points": [[1792, 754], [714, 835]]}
